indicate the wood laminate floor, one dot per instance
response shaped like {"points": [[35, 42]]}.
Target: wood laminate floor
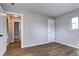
{"points": [[50, 49]]}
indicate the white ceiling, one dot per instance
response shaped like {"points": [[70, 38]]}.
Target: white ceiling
{"points": [[49, 9]]}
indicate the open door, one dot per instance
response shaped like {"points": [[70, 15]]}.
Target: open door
{"points": [[3, 35]]}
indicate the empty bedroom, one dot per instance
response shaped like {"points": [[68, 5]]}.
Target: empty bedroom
{"points": [[39, 29]]}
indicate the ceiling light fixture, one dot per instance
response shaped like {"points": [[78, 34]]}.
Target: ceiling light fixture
{"points": [[13, 4], [15, 16], [3, 14]]}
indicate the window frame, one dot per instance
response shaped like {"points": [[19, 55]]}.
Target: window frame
{"points": [[71, 24]]}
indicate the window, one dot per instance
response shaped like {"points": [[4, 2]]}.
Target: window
{"points": [[74, 23]]}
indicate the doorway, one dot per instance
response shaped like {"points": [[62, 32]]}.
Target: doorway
{"points": [[14, 30]]}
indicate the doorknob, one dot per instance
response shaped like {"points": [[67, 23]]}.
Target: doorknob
{"points": [[49, 32], [1, 35]]}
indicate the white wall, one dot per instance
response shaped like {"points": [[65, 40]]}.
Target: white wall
{"points": [[63, 34]]}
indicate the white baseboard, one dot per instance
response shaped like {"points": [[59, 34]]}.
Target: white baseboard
{"points": [[67, 44], [50, 42], [34, 45], [3, 52], [7, 44]]}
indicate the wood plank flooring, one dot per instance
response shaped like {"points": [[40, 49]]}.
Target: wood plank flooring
{"points": [[50, 49]]}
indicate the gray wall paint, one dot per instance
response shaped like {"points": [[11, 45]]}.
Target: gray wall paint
{"points": [[63, 34], [35, 29]]}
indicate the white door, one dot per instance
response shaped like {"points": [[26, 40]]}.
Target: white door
{"points": [[51, 30], [3, 35], [0, 35]]}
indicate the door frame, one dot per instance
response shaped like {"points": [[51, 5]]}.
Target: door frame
{"points": [[21, 25]]}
